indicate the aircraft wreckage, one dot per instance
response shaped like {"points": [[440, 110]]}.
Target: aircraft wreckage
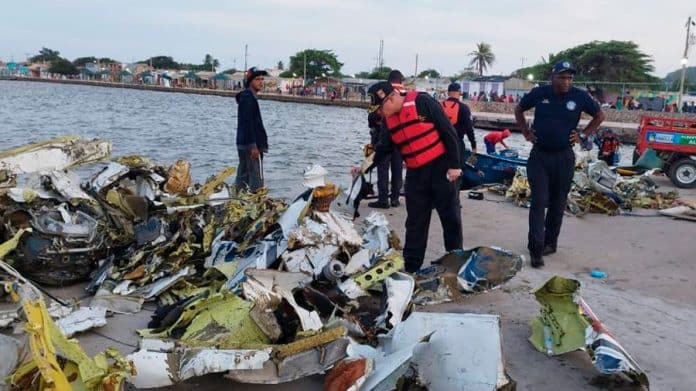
{"points": [[254, 288]]}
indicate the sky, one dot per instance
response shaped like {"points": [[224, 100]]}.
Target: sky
{"points": [[442, 33]]}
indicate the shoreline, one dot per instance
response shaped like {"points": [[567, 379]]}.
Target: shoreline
{"points": [[627, 131]]}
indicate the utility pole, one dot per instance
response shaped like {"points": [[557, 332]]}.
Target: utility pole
{"points": [[685, 60], [415, 71], [246, 47], [381, 54]]}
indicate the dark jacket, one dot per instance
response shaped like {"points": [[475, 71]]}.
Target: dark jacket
{"points": [[250, 130]]}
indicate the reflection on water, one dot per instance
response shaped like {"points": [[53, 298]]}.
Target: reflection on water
{"points": [[200, 128]]}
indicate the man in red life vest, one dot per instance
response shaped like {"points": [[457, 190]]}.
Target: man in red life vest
{"points": [[416, 125], [459, 116]]}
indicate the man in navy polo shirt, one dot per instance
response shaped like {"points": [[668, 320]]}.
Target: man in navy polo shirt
{"points": [[551, 164]]}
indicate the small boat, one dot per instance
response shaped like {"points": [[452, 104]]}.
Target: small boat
{"points": [[497, 168]]}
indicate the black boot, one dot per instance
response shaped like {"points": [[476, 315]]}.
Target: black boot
{"points": [[548, 250], [379, 204], [537, 260]]}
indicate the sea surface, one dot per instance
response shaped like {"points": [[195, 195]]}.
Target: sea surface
{"points": [[200, 128]]}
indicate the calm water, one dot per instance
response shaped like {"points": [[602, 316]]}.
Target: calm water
{"points": [[200, 128]]}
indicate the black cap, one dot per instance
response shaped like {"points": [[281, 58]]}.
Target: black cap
{"points": [[395, 76], [378, 92], [563, 66], [252, 73], [454, 87]]}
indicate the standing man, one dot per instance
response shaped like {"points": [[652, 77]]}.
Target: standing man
{"points": [[459, 116], [393, 161], [551, 163], [417, 127], [252, 141]]}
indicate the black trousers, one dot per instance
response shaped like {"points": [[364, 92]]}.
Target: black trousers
{"points": [[395, 163], [427, 187], [550, 175]]}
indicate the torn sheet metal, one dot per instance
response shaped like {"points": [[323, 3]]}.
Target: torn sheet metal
{"points": [[151, 291], [28, 195], [487, 268], [474, 339], [82, 319], [55, 154], [161, 369], [309, 259], [260, 256], [341, 227], [309, 320], [359, 262], [13, 353], [310, 233], [107, 176], [67, 184], [314, 360], [383, 268], [106, 370], [221, 319], [376, 236], [291, 218], [400, 288], [7, 317], [566, 323], [388, 366]]}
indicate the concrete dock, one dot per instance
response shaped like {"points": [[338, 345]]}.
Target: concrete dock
{"points": [[647, 300]]}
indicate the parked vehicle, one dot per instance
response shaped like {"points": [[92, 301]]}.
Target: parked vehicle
{"points": [[674, 141]]}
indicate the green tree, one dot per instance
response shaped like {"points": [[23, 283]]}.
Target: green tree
{"points": [[230, 71], [482, 57], [45, 55], [616, 61], [381, 73], [162, 62], [209, 63], [363, 75], [430, 73], [81, 61], [466, 74], [107, 60], [318, 62], [63, 66]]}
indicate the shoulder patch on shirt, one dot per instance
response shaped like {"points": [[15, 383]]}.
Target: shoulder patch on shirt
{"points": [[571, 105], [545, 101]]}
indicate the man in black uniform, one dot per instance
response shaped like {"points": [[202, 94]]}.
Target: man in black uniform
{"points": [[415, 124], [551, 164], [459, 116]]}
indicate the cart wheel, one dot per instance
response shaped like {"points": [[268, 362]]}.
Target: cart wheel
{"points": [[683, 173]]}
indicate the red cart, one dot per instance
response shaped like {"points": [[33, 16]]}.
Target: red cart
{"points": [[674, 140]]}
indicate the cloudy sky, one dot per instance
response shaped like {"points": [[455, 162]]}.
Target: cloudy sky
{"points": [[442, 32]]}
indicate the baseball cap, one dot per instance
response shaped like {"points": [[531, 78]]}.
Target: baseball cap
{"points": [[252, 73], [396, 76], [378, 92], [454, 87], [563, 66]]}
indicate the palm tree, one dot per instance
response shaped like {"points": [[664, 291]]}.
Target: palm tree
{"points": [[482, 57]]}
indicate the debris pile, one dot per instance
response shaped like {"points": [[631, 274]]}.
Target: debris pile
{"points": [[247, 285], [598, 189]]}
